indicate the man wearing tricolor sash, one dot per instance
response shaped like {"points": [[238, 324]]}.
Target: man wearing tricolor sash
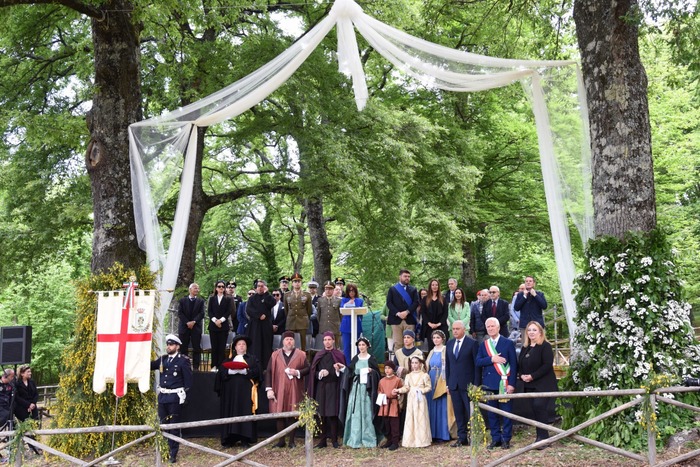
{"points": [[496, 357], [402, 301]]}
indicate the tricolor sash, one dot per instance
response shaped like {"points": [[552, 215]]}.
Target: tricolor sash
{"points": [[503, 369]]}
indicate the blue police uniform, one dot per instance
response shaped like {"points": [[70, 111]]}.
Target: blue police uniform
{"points": [[175, 380]]}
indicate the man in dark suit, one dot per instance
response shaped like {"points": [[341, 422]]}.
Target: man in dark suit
{"points": [[460, 372], [497, 308], [279, 317], [402, 301], [449, 294], [191, 314], [496, 357], [530, 303]]}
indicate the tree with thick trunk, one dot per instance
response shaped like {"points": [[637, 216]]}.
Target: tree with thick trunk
{"points": [[320, 246], [616, 85]]}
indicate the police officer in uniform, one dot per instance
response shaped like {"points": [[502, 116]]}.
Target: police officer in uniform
{"points": [[175, 381], [297, 306]]}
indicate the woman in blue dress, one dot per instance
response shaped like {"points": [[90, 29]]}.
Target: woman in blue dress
{"points": [[437, 408], [351, 300]]}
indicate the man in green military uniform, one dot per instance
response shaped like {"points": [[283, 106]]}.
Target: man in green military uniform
{"points": [[297, 305], [328, 311]]}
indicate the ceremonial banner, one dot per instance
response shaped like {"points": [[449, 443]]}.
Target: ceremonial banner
{"points": [[124, 326]]}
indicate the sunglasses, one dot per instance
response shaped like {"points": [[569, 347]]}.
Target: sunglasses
{"points": [[219, 286], [250, 294]]}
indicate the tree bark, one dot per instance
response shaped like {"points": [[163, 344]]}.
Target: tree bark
{"points": [[616, 85], [116, 104], [469, 267], [320, 245]]}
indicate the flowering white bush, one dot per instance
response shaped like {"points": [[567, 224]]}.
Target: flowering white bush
{"points": [[631, 325]]}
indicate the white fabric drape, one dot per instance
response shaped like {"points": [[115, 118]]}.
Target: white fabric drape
{"points": [[157, 145]]}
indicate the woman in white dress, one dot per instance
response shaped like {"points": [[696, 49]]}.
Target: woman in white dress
{"points": [[416, 430]]}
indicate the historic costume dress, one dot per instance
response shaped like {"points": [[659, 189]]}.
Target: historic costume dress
{"points": [[416, 430], [360, 383], [437, 408], [326, 390], [234, 388]]}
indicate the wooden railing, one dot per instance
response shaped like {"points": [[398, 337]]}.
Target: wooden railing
{"points": [[654, 398], [165, 429]]}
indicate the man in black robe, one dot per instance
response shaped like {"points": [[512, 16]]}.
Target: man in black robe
{"points": [[324, 386], [259, 309]]}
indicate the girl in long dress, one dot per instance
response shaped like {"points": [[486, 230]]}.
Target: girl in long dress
{"points": [[437, 408], [416, 430], [360, 410]]}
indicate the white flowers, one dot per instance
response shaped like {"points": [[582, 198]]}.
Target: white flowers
{"points": [[646, 261], [620, 267], [642, 280], [599, 264]]}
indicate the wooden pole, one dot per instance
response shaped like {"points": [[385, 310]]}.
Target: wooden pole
{"points": [[309, 446], [651, 431]]}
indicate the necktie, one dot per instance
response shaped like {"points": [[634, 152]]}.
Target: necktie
{"points": [[493, 308], [457, 348]]}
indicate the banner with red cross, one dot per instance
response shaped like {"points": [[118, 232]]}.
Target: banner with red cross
{"points": [[124, 333]]}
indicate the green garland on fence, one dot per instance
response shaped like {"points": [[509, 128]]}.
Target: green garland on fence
{"points": [[21, 429], [631, 325], [308, 409], [478, 428]]}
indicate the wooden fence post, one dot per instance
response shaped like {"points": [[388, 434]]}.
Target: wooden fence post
{"points": [[651, 431], [309, 446]]}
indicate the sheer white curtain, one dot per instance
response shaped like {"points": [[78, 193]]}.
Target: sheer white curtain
{"points": [[157, 145]]}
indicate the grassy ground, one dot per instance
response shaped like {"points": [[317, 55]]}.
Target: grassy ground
{"points": [[562, 454]]}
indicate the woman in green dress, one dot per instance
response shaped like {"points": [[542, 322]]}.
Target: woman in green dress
{"points": [[458, 309], [358, 410]]}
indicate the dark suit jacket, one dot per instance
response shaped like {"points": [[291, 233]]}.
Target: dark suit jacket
{"points": [[219, 310], [462, 371], [538, 362], [281, 320], [490, 377], [502, 313], [396, 304], [190, 311], [530, 308], [446, 296]]}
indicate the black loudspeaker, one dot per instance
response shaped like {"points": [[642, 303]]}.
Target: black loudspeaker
{"points": [[15, 345]]}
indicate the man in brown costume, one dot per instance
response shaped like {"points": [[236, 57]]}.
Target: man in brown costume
{"points": [[284, 382]]}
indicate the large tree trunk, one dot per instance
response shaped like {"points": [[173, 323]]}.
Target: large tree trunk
{"points": [[469, 267], [320, 245], [116, 104], [616, 84]]}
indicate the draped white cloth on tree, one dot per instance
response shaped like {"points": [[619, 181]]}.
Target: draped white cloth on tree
{"points": [[158, 144]]}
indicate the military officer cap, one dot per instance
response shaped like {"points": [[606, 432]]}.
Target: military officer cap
{"points": [[172, 339], [297, 277], [340, 280], [284, 279], [329, 285], [312, 283]]}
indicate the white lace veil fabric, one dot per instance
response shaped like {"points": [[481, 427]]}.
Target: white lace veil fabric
{"points": [[157, 145]]}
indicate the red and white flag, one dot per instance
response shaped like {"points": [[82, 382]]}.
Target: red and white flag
{"points": [[124, 333]]}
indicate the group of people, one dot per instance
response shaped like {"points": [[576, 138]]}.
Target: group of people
{"points": [[18, 397], [419, 399]]}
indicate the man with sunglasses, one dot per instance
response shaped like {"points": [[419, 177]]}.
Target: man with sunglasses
{"points": [[237, 300], [497, 308], [279, 316]]}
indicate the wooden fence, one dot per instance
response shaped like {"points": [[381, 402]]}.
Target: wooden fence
{"points": [[150, 432], [655, 397]]}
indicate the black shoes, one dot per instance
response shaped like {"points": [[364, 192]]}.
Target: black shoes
{"points": [[280, 443], [386, 445], [494, 445], [291, 444], [540, 448], [336, 445], [393, 447], [459, 443], [505, 445], [321, 445]]}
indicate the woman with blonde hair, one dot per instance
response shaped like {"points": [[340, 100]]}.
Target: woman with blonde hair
{"points": [[536, 370]]}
